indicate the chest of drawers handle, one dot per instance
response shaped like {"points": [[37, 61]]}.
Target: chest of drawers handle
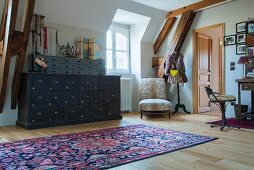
{"points": [[39, 113]]}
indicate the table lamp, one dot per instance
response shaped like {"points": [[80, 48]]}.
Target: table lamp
{"points": [[243, 60]]}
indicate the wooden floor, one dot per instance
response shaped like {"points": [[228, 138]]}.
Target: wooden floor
{"points": [[233, 150]]}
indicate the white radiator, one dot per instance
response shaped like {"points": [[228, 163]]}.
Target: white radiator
{"points": [[126, 94]]}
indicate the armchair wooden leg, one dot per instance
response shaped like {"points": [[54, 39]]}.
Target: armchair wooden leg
{"points": [[141, 114], [169, 114]]}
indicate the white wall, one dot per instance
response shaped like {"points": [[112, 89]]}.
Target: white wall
{"points": [[9, 116], [230, 14], [68, 34], [136, 33], [146, 59]]}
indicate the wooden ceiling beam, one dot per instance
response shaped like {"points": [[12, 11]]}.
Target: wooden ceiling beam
{"points": [[178, 37], [193, 7], [163, 34], [20, 61]]}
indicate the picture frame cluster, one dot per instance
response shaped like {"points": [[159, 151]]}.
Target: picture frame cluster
{"points": [[242, 36]]}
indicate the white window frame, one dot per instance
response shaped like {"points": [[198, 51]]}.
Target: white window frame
{"points": [[125, 31]]}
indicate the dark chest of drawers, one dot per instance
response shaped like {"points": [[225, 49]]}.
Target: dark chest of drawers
{"points": [[47, 100]]}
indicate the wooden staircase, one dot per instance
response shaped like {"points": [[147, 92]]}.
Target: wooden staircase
{"points": [[13, 43]]}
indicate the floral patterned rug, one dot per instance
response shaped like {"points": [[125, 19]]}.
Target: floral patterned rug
{"points": [[97, 149]]}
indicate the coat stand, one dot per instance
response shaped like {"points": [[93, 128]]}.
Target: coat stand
{"points": [[179, 105]]}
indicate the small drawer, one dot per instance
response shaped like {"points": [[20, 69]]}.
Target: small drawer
{"points": [[39, 82], [53, 70], [114, 109], [39, 115], [88, 62], [71, 97], [66, 71], [39, 98], [56, 113], [78, 61], [54, 65], [55, 99], [100, 110], [86, 81], [247, 86], [100, 97], [101, 73], [56, 83], [72, 112], [90, 72], [77, 67], [78, 72], [68, 60], [90, 67], [72, 82], [52, 59], [67, 66], [113, 96], [86, 96], [95, 72], [86, 111]]}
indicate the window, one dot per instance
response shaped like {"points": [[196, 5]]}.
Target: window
{"points": [[118, 60]]}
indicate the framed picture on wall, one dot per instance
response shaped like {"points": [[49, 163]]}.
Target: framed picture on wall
{"points": [[240, 38], [229, 40], [240, 27], [240, 49], [250, 28]]}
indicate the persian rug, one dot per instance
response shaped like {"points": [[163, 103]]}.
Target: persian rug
{"points": [[246, 124], [97, 149]]}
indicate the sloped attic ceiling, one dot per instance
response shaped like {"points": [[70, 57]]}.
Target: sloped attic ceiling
{"points": [[97, 14], [90, 14], [166, 5]]}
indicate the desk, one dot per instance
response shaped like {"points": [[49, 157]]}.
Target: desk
{"points": [[245, 84]]}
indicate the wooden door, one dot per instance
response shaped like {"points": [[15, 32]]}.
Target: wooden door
{"points": [[204, 49]]}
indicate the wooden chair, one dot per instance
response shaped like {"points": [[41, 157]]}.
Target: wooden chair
{"points": [[153, 96], [221, 101]]}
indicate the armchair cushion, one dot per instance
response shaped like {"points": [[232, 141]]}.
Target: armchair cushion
{"points": [[155, 105]]}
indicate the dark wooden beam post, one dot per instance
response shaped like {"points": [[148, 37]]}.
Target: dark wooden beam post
{"points": [[3, 21], [7, 29], [178, 37], [20, 61], [163, 34]]}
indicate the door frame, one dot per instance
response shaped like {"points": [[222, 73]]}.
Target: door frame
{"points": [[195, 64]]}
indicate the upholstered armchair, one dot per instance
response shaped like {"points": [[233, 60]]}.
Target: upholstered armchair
{"points": [[153, 96]]}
